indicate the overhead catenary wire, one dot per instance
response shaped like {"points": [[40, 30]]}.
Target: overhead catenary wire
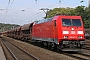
{"points": [[48, 7], [36, 1], [55, 4], [11, 2], [58, 3], [8, 7], [33, 6], [8, 4]]}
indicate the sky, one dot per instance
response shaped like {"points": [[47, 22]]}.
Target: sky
{"points": [[26, 11]]}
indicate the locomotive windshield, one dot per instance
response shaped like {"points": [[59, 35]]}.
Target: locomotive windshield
{"points": [[71, 22]]}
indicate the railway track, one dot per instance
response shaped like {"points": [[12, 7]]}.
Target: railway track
{"points": [[87, 48], [17, 52], [77, 55], [87, 44], [74, 55]]}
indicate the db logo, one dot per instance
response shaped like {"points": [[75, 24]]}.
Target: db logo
{"points": [[72, 32]]}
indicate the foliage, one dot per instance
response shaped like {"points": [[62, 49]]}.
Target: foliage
{"points": [[4, 27], [79, 10]]}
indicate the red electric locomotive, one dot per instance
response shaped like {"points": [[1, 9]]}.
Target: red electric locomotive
{"points": [[62, 32]]}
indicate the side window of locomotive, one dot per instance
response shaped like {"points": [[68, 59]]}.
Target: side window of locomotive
{"points": [[55, 23]]}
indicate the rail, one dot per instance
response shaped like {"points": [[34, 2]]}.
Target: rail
{"points": [[35, 58]]}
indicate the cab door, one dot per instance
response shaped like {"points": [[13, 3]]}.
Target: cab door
{"points": [[54, 29]]}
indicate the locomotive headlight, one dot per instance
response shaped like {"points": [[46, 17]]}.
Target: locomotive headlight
{"points": [[80, 37], [65, 37], [79, 32], [65, 32]]}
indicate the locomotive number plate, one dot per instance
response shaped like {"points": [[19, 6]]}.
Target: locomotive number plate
{"points": [[72, 32]]}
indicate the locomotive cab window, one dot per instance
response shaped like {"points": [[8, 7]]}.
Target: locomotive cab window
{"points": [[76, 22], [71, 22]]}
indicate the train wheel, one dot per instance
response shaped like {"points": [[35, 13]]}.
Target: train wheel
{"points": [[49, 45], [39, 44], [52, 46], [45, 44]]}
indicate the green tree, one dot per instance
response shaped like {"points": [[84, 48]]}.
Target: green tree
{"points": [[64, 11], [80, 10]]}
